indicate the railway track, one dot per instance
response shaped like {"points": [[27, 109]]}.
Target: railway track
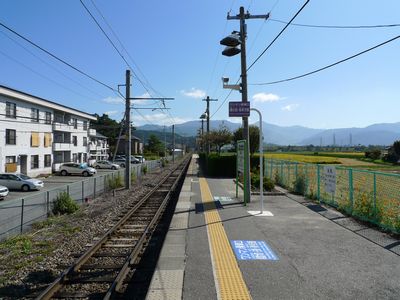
{"points": [[100, 272]]}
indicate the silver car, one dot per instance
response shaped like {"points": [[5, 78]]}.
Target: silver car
{"points": [[105, 164], [20, 182], [77, 169], [3, 192]]}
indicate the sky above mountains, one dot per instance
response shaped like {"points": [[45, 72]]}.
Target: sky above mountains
{"points": [[176, 53]]}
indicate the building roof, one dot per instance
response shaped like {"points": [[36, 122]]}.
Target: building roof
{"points": [[7, 91], [99, 135], [132, 138]]}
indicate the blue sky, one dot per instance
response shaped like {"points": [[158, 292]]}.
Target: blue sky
{"points": [[175, 44]]}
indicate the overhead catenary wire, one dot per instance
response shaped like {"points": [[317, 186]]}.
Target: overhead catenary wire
{"points": [[338, 26], [330, 65], [55, 56], [278, 35]]}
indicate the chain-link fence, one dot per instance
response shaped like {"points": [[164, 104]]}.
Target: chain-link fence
{"points": [[366, 195], [17, 215]]}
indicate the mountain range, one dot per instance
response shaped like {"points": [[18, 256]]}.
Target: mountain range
{"points": [[376, 134]]}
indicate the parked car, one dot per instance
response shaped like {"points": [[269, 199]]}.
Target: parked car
{"points": [[140, 158], [77, 169], [3, 192], [20, 182], [121, 161], [105, 164]]}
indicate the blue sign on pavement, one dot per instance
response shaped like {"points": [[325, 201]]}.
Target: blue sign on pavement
{"points": [[252, 250]]}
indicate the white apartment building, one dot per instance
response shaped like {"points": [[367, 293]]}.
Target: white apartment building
{"points": [[98, 146], [38, 134]]}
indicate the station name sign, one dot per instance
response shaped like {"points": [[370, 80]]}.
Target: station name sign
{"points": [[239, 109]]}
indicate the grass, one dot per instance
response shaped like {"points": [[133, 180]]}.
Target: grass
{"points": [[311, 159], [28, 249]]}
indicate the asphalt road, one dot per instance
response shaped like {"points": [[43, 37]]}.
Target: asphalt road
{"points": [[53, 182]]}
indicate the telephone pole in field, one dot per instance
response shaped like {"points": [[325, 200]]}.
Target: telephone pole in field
{"points": [[128, 135]]}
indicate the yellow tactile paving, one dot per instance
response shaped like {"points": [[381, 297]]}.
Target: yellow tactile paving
{"points": [[229, 279]]}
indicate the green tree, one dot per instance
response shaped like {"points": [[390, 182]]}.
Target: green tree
{"points": [[107, 127], [254, 135], [154, 145]]}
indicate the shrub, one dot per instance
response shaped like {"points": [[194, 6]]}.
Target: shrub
{"points": [[278, 179], [268, 184], [218, 165], [300, 184], [64, 204], [144, 170], [115, 182]]}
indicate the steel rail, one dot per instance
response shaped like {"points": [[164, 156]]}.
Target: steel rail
{"points": [[49, 292]]}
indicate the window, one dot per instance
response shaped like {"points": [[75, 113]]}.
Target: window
{"points": [[47, 139], [34, 115], [74, 157], [35, 142], [85, 157], [84, 141], [34, 161], [10, 160], [48, 117], [75, 140], [75, 122], [47, 160], [85, 125], [11, 110], [11, 137]]}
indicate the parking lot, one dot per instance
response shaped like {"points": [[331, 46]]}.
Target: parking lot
{"points": [[53, 182]]}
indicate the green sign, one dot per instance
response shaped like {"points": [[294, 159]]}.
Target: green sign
{"points": [[241, 153]]}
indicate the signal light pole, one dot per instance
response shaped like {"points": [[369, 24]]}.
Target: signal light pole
{"points": [[231, 42], [208, 99]]}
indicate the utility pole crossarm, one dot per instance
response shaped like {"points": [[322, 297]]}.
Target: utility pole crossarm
{"points": [[248, 16]]}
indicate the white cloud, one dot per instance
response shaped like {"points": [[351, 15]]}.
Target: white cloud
{"points": [[290, 107], [113, 100], [194, 93], [266, 97], [111, 112], [157, 119]]}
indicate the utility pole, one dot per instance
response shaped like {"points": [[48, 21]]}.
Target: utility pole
{"points": [[128, 135], [165, 143], [208, 119], [242, 16], [173, 143]]}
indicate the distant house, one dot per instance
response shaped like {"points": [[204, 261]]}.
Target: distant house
{"points": [[98, 146], [136, 144]]}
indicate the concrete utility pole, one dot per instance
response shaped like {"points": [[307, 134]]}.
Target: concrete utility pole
{"points": [[208, 119], [242, 16], [173, 143], [128, 135], [165, 143]]}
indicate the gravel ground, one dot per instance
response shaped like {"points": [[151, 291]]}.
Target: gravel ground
{"points": [[30, 266]]}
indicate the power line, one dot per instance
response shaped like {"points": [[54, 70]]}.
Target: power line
{"points": [[331, 65], [49, 65], [56, 57], [273, 41], [114, 46], [339, 26]]}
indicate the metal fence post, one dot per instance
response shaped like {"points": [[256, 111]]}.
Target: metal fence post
{"points": [[68, 189], [272, 166], [94, 188], [83, 191], [375, 212], [48, 202], [351, 194], [318, 184], [282, 173], [22, 214]]}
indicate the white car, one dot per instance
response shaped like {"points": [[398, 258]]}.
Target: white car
{"points": [[77, 169], [140, 158], [105, 164], [3, 192], [121, 162], [20, 182]]}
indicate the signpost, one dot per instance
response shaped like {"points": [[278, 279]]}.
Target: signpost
{"points": [[241, 164], [330, 179], [239, 109]]}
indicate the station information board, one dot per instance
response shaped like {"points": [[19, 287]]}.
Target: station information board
{"points": [[330, 179], [241, 151]]}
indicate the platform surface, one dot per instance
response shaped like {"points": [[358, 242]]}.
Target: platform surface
{"points": [[314, 257]]}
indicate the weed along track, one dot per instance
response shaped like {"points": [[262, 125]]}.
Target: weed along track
{"points": [[102, 270]]}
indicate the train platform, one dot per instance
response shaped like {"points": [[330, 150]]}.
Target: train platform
{"points": [[217, 248]]}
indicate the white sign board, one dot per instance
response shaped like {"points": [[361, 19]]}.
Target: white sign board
{"points": [[330, 179], [240, 155]]}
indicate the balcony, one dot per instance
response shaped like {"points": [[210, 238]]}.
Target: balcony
{"points": [[63, 127], [92, 132], [62, 146]]}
